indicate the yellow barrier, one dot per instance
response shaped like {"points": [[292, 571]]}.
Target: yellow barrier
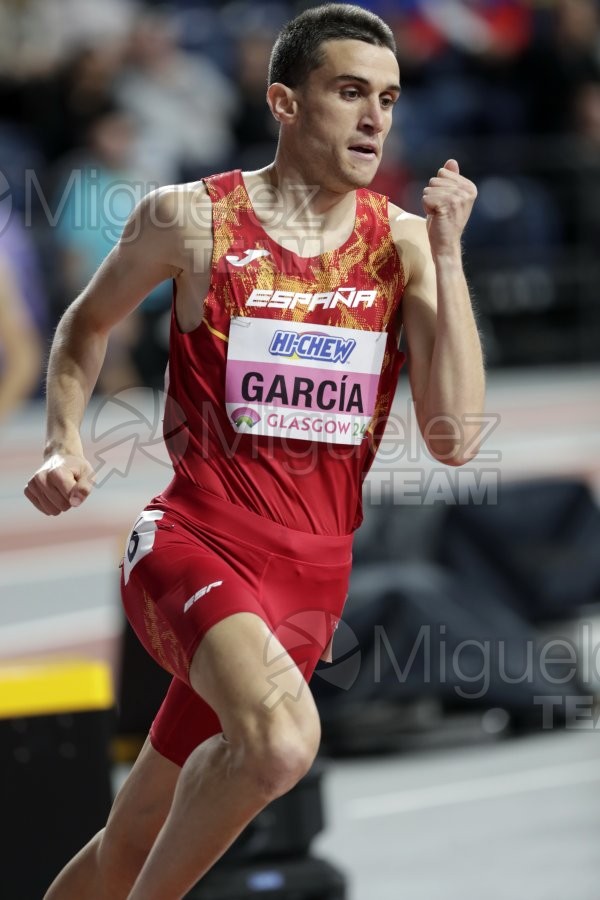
{"points": [[55, 725], [37, 688]]}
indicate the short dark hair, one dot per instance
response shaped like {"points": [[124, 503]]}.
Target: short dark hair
{"points": [[298, 48]]}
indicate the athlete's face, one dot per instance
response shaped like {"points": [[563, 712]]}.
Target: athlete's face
{"points": [[345, 113]]}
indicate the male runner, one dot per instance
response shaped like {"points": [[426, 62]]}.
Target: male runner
{"points": [[284, 355]]}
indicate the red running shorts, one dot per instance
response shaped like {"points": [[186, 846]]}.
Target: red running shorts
{"points": [[192, 560]]}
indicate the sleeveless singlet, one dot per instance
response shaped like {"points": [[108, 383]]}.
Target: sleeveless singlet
{"points": [[287, 383]]}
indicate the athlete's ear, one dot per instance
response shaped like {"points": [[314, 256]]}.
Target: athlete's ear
{"points": [[282, 102]]}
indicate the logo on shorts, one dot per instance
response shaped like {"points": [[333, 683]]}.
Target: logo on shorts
{"points": [[201, 593]]}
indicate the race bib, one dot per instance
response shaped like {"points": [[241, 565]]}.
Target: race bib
{"points": [[293, 380]]}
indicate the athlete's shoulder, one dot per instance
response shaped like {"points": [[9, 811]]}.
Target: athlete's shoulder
{"points": [[405, 225], [179, 205], [409, 233], [177, 217]]}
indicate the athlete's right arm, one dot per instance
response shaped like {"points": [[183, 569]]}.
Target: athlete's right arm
{"points": [[152, 249]]}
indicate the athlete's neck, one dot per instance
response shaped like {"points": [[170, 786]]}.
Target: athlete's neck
{"points": [[281, 192]]}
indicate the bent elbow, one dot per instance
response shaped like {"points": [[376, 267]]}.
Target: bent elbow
{"points": [[461, 459], [452, 454]]}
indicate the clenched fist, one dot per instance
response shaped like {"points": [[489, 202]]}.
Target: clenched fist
{"points": [[448, 200], [62, 482]]}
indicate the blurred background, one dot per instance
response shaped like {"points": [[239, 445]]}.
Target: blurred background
{"points": [[460, 717]]}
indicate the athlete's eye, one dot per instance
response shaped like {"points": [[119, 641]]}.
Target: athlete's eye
{"points": [[350, 94], [387, 102]]}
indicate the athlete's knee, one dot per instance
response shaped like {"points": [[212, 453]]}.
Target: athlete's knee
{"points": [[277, 748]]}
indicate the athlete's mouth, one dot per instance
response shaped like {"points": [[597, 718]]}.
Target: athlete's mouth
{"points": [[369, 151]]}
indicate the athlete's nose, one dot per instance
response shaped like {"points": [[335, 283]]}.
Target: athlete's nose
{"points": [[373, 120]]}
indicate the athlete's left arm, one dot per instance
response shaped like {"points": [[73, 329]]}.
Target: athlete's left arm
{"points": [[445, 360]]}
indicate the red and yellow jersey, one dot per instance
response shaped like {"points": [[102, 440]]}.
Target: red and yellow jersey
{"points": [[287, 383]]}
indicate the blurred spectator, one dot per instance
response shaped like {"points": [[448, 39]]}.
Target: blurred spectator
{"points": [[586, 115], [566, 54], [254, 126], [98, 196], [19, 153], [23, 313], [183, 105], [582, 194], [492, 29], [560, 77], [36, 35], [459, 63], [31, 39], [60, 109], [517, 218], [20, 345]]}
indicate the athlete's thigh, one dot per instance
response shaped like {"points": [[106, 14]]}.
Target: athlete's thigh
{"points": [[175, 587], [243, 671], [183, 721], [142, 803]]}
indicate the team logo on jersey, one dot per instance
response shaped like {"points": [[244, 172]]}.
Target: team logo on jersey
{"points": [[313, 345], [250, 256], [343, 296], [243, 417]]}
